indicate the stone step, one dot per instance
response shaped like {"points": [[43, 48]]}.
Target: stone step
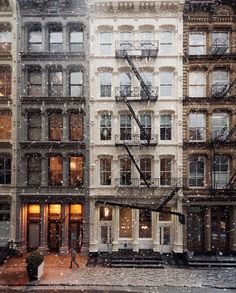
{"points": [[211, 264], [133, 265]]}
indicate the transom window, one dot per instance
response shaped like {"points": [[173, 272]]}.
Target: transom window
{"points": [[196, 171], [105, 84], [76, 84], [105, 171], [166, 42], [197, 43], [35, 40], [197, 127], [125, 127], [197, 84], [5, 82], [125, 171], [220, 125], [5, 125], [5, 169], [220, 176], [166, 83], [165, 127], [105, 43], [105, 127]]}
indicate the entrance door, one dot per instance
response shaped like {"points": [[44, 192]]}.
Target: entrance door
{"points": [[165, 238], [106, 236], [54, 237], [195, 229], [220, 228], [75, 235], [33, 236]]}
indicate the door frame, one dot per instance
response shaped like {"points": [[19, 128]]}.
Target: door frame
{"points": [[161, 226], [105, 247], [59, 233]]}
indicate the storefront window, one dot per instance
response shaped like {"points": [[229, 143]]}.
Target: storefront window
{"points": [[105, 214], [125, 223], [145, 224]]}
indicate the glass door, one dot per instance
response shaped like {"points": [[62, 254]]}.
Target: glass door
{"points": [[165, 238], [106, 236], [195, 229]]}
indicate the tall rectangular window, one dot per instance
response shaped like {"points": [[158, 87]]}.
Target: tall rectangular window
{"points": [[148, 80], [197, 43], [55, 39], [76, 84], [34, 126], [76, 123], [105, 127], [145, 224], [197, 127], [5, 125], [220, 125], [165, 127], [5, 82], [55, 171], [125, 127], [55, 126], [220, 176], [146, 169], [5, 169], [5, 38], [105, 171], [166, 83], [196, 171], [146, 39], [145, 120], [125, 171], [35, 40], [125, 84], [220, 82], [105, 43], [166, 42], [77, 171], [105, 84], [76, 40], [34, 171], [34, 83], [55, 83], [197, 84], [166, 171], [125, 223]]}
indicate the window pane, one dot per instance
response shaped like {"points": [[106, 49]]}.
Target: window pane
{"points": [[125, 127], [76, 171], [34, 126], [34, 171], [165, 127], [166, 82], [165, 172], [55, 40], [105, 43], [145, 224], [197, 43], [35, 41], [125, 171], [35, 83], [5, 82], [105, 127], [220, 172], [76, 84], [55, 171], [5, 169], [105, 84], [5, 125], [220, 128], [196, 171], [166, 42], [197, 127], [125, 223], [55, 126], [105, 171], [55, 83], [197, 84], [76, 126], [76, 41]]}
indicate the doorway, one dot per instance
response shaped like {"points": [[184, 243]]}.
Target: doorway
{"points": [[33, 226], [220, 228], [54, 236], [106, 236], [165, 238]]}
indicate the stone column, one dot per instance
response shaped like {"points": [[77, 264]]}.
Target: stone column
{"points": [[23, 227], [65, 171], [65, 126], [208, 229], [44, 131], [44, 171], [233, 229], [65, 40], [178, 235], [64, 229], [115, 228], [43, 234], [64, 84], [156, 232], [94, 213], [44, 82], [135, 230]]}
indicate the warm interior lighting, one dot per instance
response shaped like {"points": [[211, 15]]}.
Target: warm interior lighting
{"points": [[34, 208], [106, 212], [55, 209], [76, 209]]}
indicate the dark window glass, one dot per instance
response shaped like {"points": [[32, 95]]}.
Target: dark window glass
{"points": [[145, 224], [5, 169], [105, 214], [105, 127], [34, 171], [147, 127], [165, 171], [125, 171], [125, 127], [55, 126], [34, 126], [196, 171], [105, 171], [145, 167], [165, 128]]}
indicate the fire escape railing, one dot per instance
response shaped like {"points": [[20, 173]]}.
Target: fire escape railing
{"points": [[221, 90], [220, 46]]}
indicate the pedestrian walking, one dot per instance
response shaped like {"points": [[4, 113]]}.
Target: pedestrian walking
{"points": [[73, 255]]}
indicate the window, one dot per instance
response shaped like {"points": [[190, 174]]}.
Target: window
{"points": [[125, 171], [220, 82], [34, 126], [105, 84], [145, 224], [76, 40], [5, 38], [125, 127], [5, 125], [105, 127], [220, 172], [5, 82], [105, 43], [220, 127], [165, 172], [125, 84], [55, 171], [105, 171], [197, 127], [197, 43], [220, 42], [34, 171], [77, 171], [55, 126], [105, 213], [146, 40], [55, 39], [165, 127], [76, 122], [145, 168], [125, 223], [148, 80], [35, 83], [166, 42], [5, 169], [55, 83], [196, 171], [145, 120], [166, 83], [197, 84], [126, 40], [35, 40], [76, 84]]}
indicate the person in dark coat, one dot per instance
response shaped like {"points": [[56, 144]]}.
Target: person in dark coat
{"points": [[73, 255]]}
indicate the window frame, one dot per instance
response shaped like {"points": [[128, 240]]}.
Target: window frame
{"points": [[34, 169], [165, 127], [166, 44], [79, 84], [6, 74], [197, 88], [196, 46], [125, 171], [5, 172], [55, 126], [54, 179], [105, 84], [166, 83], [105, 171], [79, 173], [34, 126], [105, 45], [105, 125], [125, 127], [53, 87], [166, 172], [5, 124], [197, 129], [197, 175], [35, 44]]}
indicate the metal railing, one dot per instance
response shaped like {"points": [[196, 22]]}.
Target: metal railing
{"points": [[220, 46], [137, 48], [130, 139], [136, 92], [153, 182]]}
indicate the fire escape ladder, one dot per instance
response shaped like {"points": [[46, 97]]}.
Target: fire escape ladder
{"points": [[225, 90], [136, 165], [232, 130], [231, 181], [138, 75]]}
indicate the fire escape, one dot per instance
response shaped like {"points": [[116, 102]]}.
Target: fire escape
{"points": [[131, 51]]}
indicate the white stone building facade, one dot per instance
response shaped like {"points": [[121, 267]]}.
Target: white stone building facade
{"points": [[113, 174]]}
